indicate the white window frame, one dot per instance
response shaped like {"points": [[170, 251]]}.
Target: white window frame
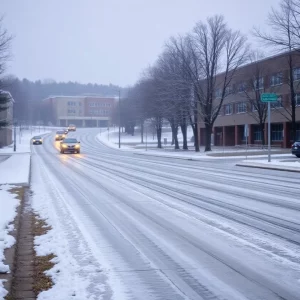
{"points": [[239, 105], [218, 93], [297, 99], [296, 73], [260, 83], [276, 79], [275, 106], [241, 87], [231, 109]]}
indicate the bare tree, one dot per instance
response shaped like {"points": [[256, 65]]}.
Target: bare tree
{"points": [[175, 94], [209, 50], [179, 50], [285, 36], [252, 90]]}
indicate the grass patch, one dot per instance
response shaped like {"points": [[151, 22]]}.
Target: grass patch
{"points": [[42, 282], [18, 191]]}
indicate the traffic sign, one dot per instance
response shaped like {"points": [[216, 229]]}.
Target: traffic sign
{"points": [[246, 130], [269, 97]]}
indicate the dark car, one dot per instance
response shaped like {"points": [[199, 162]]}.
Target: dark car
{"points": [[296, 148], [70, 145], [37, 140]]}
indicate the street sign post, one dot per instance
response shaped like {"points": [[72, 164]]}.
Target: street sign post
{"points": [[268, 98]]}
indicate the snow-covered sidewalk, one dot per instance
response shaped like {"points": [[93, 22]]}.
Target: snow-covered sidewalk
{"points": [[16, 168], [8, 205], [133, 144], [14, 171], [291, 165]]}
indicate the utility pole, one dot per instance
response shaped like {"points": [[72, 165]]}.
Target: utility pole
{"points": [[15, 137], [119, 120]]}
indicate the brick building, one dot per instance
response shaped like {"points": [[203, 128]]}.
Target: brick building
{"points": [[83, 111], [269, 75]]}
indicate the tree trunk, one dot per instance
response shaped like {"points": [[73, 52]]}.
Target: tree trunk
{"points": [[173, 138], [208, 128], [174, 128], [142, 132], [262, 131], [195, 131], [292, 95], [158, 133], [184, 135]]}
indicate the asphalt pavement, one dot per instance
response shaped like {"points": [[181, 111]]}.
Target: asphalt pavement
{"points": [[163, 228]]}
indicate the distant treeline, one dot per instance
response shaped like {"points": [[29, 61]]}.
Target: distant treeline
{"points": [[29, 94]]}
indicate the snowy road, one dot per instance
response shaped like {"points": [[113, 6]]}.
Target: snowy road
{"points": [[141, 227]]}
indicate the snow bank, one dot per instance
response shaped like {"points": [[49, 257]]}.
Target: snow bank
{"points": [[23, 140], [8, 204], [284, 165], [15, 169]]}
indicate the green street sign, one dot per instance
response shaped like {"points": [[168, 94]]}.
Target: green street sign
{"points": [[268, 97]]}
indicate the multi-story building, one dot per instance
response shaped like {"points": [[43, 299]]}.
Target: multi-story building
{"points": [[83, 111], [270, 75], [6, 116]]}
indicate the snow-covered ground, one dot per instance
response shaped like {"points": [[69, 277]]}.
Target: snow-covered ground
{"points": [[15, 169], [133, 143], [8, 205], [132, 227]]}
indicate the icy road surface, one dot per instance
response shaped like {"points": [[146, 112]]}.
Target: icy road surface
{"points": [[127, 226]]}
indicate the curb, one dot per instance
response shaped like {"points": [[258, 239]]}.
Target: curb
{"points": [[274, 168], [168, 156]]}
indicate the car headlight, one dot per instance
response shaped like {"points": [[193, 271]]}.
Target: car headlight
{"points": [[77, 146], [33, 140], [64, 146], [56, 135]]}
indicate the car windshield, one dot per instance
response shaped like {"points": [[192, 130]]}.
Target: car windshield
{"points": [[70, 141], [60, 132], [36, 137]]}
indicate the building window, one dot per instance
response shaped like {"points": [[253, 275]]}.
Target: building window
{"points": [[296, 73], [277, 104], [218, 93], [257, 134], [241, 107], [254, 107], [80, 103], [277, 132], [229, 90], [221, 111], [228, 109], [71, 103], [259, 83], [276, 79], [92, 104], [71, 111], [241, 87], [297, 137], [297, 99]]}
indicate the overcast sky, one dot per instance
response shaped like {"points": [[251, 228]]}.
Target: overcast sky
{"points": [[108, 41]]}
